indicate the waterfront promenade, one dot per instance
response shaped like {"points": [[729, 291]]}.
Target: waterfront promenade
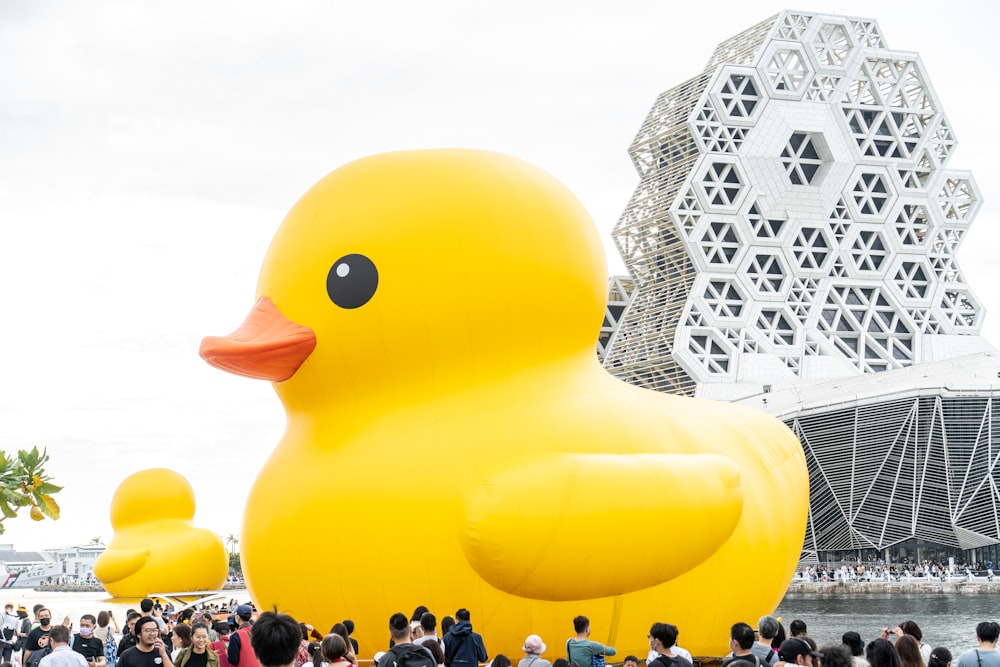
{"points": [[924, 585]]}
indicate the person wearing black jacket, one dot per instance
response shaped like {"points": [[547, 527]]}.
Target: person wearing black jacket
{"points": [[462, 646], [128, 636]]}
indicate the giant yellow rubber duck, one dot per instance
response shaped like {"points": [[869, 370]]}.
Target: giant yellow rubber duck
{"points": [[155, 548], [429, 320]]}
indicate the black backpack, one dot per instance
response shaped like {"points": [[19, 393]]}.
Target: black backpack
{"points": [[412, 655]]}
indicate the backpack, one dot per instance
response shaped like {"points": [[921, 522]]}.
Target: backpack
{"points": [[596, 659], [412, 655]]}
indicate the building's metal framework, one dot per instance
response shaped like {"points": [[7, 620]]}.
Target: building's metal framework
{"points": [[795, 219], [794, 231]]}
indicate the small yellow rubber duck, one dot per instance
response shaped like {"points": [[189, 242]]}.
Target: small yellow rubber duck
{"points": [[155, 548], [429, 320]]}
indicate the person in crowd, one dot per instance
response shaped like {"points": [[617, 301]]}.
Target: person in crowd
{"points": [[581, 649], [984, 655], [560, 662], [240, 653], [909, 652], [767, 628], [198, 653], [62, 655], [333, 651], [940, 657], [852, 640], [798, 651], [221, 644], [43, 650], [798, 628], [662, 639], [911, 629], [629, 661], [836, 655], [149, 608], [104, 632], [881, 653], [675, 649], [349, 624], [274, 639], [446, 624], [429, 637], [534, 647], [303, 655], [24, 628], [500, 660], [129, 638], [779, 637], [44, 627], [741, 643], [403, 652], [181, 639], [9, 623], [149, 650], [87, 645], [462, 646], [340, 630]]}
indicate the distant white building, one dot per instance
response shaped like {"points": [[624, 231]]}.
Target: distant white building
{"points": [[66, 565], [792, 245]]}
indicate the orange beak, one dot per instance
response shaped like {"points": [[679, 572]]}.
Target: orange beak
{"points": [[267, 346]]}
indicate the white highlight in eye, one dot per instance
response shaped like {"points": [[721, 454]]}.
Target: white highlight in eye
{"points": [[343, 270]]}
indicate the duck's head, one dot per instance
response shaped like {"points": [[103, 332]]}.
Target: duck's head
{"points": [[130, 504], [436, 264]]}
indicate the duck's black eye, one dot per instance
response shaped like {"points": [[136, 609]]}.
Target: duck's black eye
{"points": [[352, 281]]}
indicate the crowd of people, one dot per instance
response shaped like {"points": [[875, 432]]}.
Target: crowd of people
{"points": [[236, 636], [902, 646], [879, 570]]}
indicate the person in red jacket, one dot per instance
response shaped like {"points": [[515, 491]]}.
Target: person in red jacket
{"points": [[240, 652]]}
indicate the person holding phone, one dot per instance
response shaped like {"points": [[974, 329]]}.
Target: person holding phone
{"points": [[149, 651], [87, 644]]}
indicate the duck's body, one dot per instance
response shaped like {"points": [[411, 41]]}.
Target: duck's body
{"points": [[155, 548], [451, 430]]}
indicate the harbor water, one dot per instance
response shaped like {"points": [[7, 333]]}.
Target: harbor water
{"points": [[946, 619]]}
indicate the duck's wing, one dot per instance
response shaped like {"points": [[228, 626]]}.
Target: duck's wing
{"points": [[116, 564], [583, 526]]}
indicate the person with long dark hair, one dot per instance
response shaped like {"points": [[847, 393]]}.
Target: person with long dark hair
{"points": [[881, 653], [940, 657]]}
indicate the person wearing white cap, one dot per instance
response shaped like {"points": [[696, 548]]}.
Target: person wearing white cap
{"points": [[533, 649]]}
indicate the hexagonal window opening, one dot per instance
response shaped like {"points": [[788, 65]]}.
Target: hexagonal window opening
{"points": [[721, 184], [869, 252], [767, 273], [739, 96], [720, 243], [787, 71], [724, 298], [805, 158], [870, 194], [832, 45]]}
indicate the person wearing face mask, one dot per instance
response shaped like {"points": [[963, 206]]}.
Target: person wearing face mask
{"points": [[44, 626], [87, 645]]}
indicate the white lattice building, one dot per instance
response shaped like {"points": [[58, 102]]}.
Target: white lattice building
{"points": [[795, 226]]}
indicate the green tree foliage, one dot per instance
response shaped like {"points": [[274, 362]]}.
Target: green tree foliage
{"points": [[23, 483]]}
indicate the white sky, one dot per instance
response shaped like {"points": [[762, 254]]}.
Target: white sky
{"points": [[148, 151]]}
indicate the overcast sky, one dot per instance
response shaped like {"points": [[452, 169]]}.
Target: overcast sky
{"points": [[148, 151]]}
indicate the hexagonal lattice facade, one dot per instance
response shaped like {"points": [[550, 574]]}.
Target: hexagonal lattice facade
{"points": [[795, 218]]}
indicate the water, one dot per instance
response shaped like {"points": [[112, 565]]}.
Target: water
{"points": [[946, 619]]}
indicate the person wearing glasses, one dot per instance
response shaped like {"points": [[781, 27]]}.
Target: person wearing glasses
{"points": [[149, 651]]}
